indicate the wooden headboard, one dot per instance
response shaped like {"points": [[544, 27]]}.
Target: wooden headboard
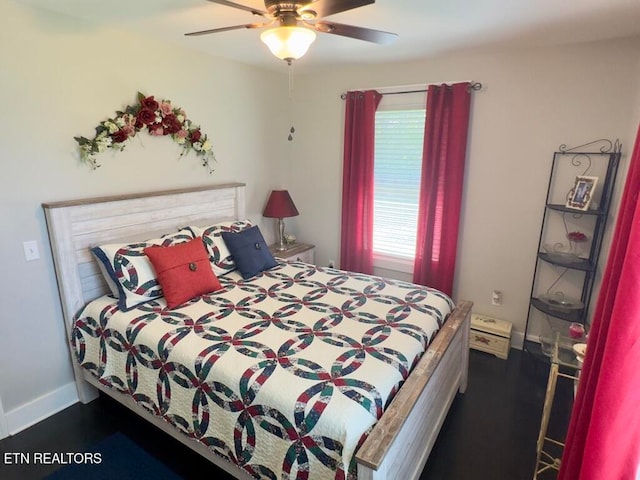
{"points": [[77, 226]]}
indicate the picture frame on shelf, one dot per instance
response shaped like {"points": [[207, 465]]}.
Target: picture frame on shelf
{"points": [[580, 195]]}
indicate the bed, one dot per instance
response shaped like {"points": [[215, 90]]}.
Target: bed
{"points": [[394, 444]]}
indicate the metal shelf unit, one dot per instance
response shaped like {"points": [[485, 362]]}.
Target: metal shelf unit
{"points": [[557, 265]]}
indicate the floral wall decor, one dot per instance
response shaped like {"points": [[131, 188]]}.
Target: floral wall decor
{"points": [[158, 118]]}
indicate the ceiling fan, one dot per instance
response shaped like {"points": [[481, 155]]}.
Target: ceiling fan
{"points": [[295, 24]]}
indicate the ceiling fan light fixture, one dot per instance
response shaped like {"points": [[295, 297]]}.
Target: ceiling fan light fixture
{"points": [[288, 43]]}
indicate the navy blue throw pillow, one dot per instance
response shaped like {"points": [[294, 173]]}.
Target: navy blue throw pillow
{"points": [[249, 251]]}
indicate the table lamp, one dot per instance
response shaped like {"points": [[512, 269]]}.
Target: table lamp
{"points": [[280, 206]]}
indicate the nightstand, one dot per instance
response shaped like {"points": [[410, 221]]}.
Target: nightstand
{"points": [[301, 252]]}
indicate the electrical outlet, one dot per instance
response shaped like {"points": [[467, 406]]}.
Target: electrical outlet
{"points": [[31, 250], [496, 298]]}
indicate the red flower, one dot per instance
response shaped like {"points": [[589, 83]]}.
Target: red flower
{"points": [[146, 116], [195, 136], [577, 237], [150, 103], [120, 136], [171, 124], [156, 129]]}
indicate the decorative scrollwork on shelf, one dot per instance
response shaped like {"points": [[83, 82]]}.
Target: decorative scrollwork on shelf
{"points": [[551, 291], [607, 146], [577, 161]]}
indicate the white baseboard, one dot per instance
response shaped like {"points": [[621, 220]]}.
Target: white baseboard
{"points": [[517, 340], [43, 407]]}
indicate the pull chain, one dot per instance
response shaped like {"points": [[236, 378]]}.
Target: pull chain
{"points": [[292, 130]]}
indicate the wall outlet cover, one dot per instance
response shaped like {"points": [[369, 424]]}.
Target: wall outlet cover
{"points": [[31, 250]]}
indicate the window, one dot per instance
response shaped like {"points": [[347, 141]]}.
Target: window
{"points": [[398, 163]]}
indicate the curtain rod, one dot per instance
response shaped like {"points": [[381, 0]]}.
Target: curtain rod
{"points": [[473, 86]]}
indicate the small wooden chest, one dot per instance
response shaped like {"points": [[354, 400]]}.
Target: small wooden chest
{"points": [[490, 335]]}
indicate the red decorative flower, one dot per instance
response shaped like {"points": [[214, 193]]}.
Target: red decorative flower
{"points": [[146, 116], [577, 237], [150, 103], [120, 136], [195, 136], [171, 124], [156, 129]]}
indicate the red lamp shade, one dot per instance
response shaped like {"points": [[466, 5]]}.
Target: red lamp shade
{"points": [[280, 205]]}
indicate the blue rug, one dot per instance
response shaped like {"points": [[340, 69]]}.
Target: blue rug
{"points": [[120, 459]]}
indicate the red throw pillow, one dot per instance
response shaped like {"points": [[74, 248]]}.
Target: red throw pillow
{"points": [[183, 270]]}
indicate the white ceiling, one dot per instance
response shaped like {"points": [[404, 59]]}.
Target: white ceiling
{"points": [[424, 27]]}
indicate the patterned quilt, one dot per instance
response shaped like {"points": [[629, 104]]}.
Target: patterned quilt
{"points": [[283, 374]]}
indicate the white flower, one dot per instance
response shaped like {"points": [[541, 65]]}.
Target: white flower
{"points": [[103, 142], [112, 127], [180, 141], [206, 146], [197, 146], [181, 118]]}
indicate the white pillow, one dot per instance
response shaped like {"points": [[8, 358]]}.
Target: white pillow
{"points": [[129, 272], [219, 255]]}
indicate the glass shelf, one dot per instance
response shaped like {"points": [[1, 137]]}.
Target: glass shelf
{"points": [[568, 261], [563, 353], [574, 315], [562, 208]]}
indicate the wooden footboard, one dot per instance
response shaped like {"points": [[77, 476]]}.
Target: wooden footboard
{"points": [[400, 443]]}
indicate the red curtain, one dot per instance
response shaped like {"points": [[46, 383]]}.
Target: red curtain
{"points": [[356, 239], [445, 147], [603, 441]]}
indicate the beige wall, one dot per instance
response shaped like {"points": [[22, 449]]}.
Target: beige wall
{"points": [[59, 79], [533, 100]]}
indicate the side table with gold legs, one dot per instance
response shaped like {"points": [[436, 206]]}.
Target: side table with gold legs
{"points": [[562, 355]]}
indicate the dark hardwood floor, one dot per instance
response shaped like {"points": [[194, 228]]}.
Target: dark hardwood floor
{"points": [[491, 430], [489, 434]]}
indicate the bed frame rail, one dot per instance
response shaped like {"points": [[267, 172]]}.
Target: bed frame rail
{"points": [[400, 443]]}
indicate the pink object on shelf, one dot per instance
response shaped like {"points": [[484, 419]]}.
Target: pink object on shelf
{"points": [[576, 330]]}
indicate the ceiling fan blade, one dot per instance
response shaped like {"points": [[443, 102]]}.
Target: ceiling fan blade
{"points": [[226, 29], [324, 8], [366, 34], [252, 10]]}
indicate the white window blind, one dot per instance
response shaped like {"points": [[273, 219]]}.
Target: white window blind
{"points": [[398, 162]]}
